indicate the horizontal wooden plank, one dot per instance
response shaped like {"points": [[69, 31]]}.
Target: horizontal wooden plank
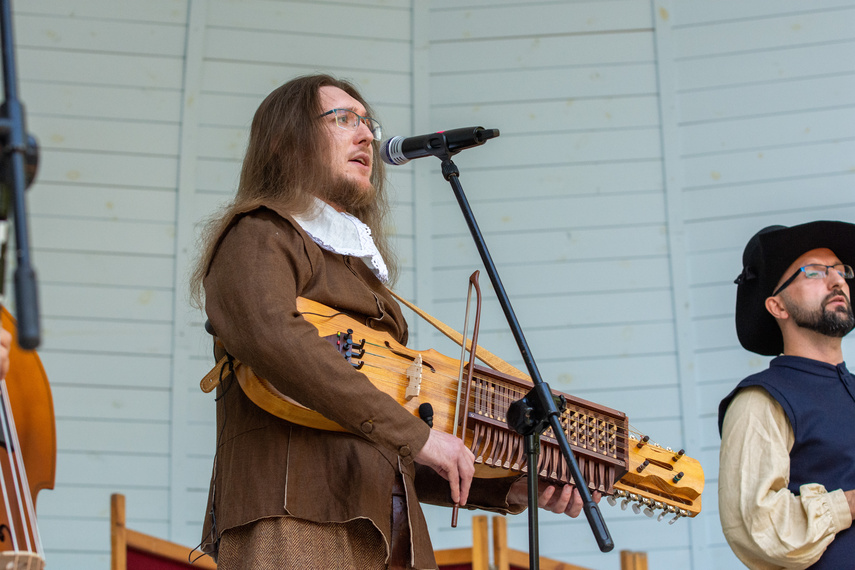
{"points": [[85, 101], [728, 365], [770, 32], [715, 333], [69, 501], [152, 72], [222, 143], [736, 199], [198, 475], [121, 404], [147, 238], [109, 169], [76, 558], [315, 51], [94, 538], [148, 138], [121, 436], [81, 268], [734, 232], [361, 20], [709, 397], [481, 86], [73, 369], [642, 144], [114, 337], [204, 438], [756, 165], [100, 35], [783, 64], [702, 13], [567, 244], [547, 51], [612, 341], [741, 101], [582, 372], [561, 278], [563, 213], [468, 23], [548, 116], [155, 11], [112, 470], [400, 221], [518, 181], [715, 267], [99, 302], [236, 111], [565, 311], [108, 203], [810, 127], [712, 301], [255, 80], [218, 177]]}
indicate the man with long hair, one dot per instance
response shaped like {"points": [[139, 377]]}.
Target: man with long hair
{"points": [[787, 462], [307, 222]]}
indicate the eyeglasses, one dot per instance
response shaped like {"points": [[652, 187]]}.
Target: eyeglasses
{"points": [[349, 121], [817, 271]]}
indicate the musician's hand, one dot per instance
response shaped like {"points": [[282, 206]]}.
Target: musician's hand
{"points": [[448, 456], [5, 345], [567, 500]]}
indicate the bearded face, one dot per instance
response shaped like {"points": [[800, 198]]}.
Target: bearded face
{"points": [[831, 318]]}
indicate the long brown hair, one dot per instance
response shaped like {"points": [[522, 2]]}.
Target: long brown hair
{"points": [[286, 163]]}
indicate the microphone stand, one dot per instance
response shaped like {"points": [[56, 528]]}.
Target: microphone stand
{"points": [[20, 153], [538, 410]]}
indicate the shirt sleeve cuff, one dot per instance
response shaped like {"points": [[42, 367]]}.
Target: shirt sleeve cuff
{"points": [[839, 508]]}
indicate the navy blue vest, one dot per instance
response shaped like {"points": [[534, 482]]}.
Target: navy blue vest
{"points": [[819, 400]]}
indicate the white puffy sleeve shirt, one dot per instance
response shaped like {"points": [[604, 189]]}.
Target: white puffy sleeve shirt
{"points": [[766, 525]]}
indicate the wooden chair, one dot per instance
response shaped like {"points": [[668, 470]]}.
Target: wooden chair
{"points": [[505, 558], [134, 550]]}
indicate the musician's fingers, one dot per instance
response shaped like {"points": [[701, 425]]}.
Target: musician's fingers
{"points": [[574, 506], [5, 346], [454, 484], [563, 499], [448, 456], [546, 497], [466, 472]]}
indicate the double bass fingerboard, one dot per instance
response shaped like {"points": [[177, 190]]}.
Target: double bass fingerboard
{"points": [[598, 435]]}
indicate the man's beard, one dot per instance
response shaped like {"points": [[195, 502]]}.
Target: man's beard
{"points": [[347, 194], [836, 323]]}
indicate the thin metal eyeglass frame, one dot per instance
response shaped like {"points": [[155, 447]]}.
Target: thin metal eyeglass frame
{"points": [[372, 124], [847, 273]]}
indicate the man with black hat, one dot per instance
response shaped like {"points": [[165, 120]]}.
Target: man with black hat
{"points": [[787, 464]]}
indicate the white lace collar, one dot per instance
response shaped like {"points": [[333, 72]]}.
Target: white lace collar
{"points": [[344, 234]]}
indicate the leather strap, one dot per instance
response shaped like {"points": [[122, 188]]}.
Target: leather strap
{"points": [[481, 353]]}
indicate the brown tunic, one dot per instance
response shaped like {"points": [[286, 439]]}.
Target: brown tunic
{"points": [[268, 467]]}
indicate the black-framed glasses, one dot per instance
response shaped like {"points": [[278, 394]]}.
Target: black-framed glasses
{"points": [[349, 121], [817, 271]]}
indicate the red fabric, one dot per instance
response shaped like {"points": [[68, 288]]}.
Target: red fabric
{"points": [[138, 560]]}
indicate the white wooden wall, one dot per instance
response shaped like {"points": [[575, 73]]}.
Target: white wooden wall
{"points": [[643, 142]]}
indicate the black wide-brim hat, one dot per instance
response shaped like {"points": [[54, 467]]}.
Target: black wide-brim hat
{"points": [[768, 254]]}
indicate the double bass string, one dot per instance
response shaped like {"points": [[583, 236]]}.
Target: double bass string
{"points": [[23, 498]]}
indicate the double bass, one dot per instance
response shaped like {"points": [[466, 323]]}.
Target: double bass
{"points": [[28, 454]]}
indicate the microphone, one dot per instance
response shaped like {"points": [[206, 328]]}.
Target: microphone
{"points": [[400, 150], [426, 413]]}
